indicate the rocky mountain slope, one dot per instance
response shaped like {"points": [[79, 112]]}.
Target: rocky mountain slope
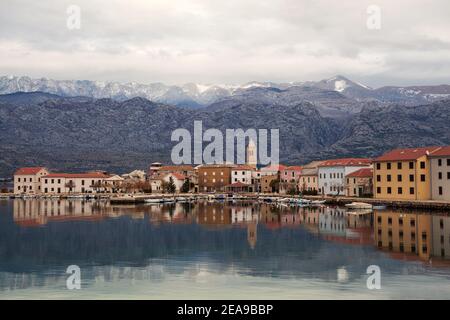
{"points": [[84, 133], [192, 95]]}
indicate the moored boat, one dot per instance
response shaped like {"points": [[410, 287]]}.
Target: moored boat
{"points": [[359, 205]]}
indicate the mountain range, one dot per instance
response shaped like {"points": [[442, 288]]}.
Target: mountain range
{"points": [[192, 95], [82, 132]]}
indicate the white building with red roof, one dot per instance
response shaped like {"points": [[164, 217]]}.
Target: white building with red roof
{"points": [[332, 174], [28, 180]]}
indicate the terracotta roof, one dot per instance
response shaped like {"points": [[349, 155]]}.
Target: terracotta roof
{"points": [[362, 173], [443, 151], [406, 154], [274, 167], [177, 168], [177, 175], [28, 170], [77, 175], [293, 168], [346, 162], [243, 167]]}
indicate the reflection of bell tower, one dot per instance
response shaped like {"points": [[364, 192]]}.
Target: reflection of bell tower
{"points": [[251, 234], [252, 152]]}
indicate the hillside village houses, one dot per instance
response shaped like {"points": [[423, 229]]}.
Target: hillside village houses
{"points": [[404, 174]]}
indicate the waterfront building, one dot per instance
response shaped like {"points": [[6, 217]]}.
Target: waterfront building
{"points": [[360, 183], [267, 184], [289, 178], [308, 181], [135, 176], [403, 174], [440, 174], [332, 174], [242, 174], [28, 180], [214, 177], [90, 182], [177, 178]]}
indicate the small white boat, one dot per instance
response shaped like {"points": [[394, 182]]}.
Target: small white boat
{"points": [[318, 202], [155, 200], [359, 205]]}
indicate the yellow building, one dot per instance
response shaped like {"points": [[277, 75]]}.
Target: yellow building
{"points": [[403, 174]]}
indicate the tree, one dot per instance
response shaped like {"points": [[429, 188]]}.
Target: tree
{"points": [[186, 186], [275, 185], [70, 185], [292, 191], [170, 186]]}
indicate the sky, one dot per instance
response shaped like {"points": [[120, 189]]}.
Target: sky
{"points": [[228, 42]]}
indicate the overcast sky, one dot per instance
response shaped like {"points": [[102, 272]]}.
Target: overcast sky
{"points": [[227, 41]]}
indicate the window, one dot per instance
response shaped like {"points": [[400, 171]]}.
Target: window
{"points": [[378, 178], [389, 178], [440, 191], [378, 190], [53, 180], [400, 222], [379, 219], [400, 190], [413, 223], [390, 222], [59, 180], [399, 165], [448, 175], [18, 179], [448, 162], [440, 175], [411, 178], [389, 190], [411, 165], [422, 177], [378, 166], [411, 190], [399, 178], [440, 162], [422, 164], [388, 166]]}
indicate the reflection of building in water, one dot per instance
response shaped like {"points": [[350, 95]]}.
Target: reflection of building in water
{"points": [[403, 232], [441, 236], [333, 221], [33, 212], [213, 214], [252, 229]]}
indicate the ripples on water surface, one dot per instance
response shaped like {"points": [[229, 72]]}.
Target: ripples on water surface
{"points": [[241, 250]]}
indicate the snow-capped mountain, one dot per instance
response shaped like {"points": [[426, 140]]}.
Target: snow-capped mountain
{"points": [[198, 95]]}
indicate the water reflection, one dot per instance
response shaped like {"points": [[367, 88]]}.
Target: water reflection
{"points": [[40, 238]]}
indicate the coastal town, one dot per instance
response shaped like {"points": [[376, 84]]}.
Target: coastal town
{"points": [[415, 174]]}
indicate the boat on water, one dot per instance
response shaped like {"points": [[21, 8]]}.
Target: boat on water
{"points": [[379, 207], [154, 200], [318, 202], [359, 212], [359, 205]]}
